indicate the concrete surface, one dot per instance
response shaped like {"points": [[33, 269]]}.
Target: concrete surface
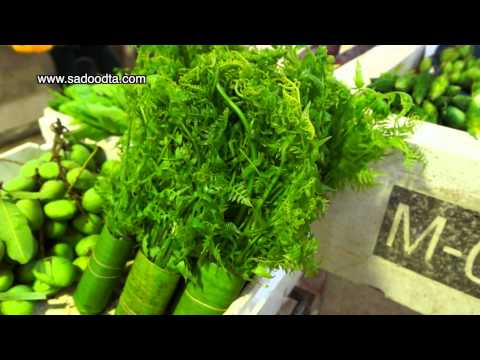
{"points": [[342, 297], [22, 100], [334, 295]]}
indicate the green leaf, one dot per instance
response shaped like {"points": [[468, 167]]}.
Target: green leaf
{"points": [[15, 232]]}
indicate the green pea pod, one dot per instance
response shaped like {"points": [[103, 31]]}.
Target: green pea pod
{"points": [[449, 55], [473, 74], [453, 90], [405, 82], [439, 86], [462, 101], [384, 83], [446, 67], [454, 77], [473, 117], [421, 87], [458, 65], [418, 111], [430, 111], [471, 63], [455, 118], [465, 50], [442, 103], [425, 65]]}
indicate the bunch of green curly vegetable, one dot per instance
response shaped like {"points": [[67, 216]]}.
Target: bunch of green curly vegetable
{"points": [[231, 155]]}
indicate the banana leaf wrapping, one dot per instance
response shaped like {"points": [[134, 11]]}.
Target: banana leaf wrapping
{"points": [[214, 292], [104, 270], [148, 289]]}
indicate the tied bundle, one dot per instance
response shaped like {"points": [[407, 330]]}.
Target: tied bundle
{"points": [[230, 154]]}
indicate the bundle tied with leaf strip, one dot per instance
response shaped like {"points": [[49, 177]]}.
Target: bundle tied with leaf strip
{"points": [[161, 158], [113, 249], [296, 134], [230, 156], [202, 176]]}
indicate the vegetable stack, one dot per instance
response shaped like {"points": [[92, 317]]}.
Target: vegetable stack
{"points": [[447, 95], [49, 221], [228, 159]]}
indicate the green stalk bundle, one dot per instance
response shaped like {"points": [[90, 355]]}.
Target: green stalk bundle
{"points": [[148, 289], [105, 267], [215, 290]]}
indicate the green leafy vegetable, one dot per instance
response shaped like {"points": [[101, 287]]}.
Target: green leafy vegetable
{"points": [[229, 156]]}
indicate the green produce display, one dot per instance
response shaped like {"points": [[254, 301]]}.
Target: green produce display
{"points": [[38, 213], [445, 94], [226, 158], [227, 161]]}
